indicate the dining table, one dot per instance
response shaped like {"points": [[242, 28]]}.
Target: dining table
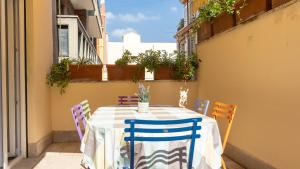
{"points": [[103, 144]]}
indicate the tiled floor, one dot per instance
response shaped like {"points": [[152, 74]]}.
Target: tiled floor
{"points": [[68, 156]]}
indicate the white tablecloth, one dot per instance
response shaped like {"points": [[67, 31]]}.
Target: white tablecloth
{"points": [[105, 133]]}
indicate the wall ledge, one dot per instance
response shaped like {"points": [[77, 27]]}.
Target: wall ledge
{"points": [[35, 149], [65, 136], [245, 159], [130, 81]]}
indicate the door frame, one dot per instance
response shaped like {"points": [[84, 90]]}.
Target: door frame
{"points": [[22, 68]]}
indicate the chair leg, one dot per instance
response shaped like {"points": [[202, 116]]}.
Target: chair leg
{"points": [[223, 164]]}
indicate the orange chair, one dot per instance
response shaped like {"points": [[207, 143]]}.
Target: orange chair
{"points": [[221, 110]]}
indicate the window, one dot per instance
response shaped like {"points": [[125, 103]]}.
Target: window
{"points": [[63, 38]]}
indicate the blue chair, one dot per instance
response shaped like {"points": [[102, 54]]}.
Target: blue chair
{"points": [[193, 136], [201, 106]]}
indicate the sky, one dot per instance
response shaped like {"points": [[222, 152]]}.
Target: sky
{"points": [[155, 20]]}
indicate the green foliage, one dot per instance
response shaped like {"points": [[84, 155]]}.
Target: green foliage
{"points": [[186, 66], [166, 60], [149, 60], [211, 10], [82, 61], [59, 75], [214, 8], [125, 59]]}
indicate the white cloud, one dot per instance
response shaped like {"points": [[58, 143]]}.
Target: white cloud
{"points": [[110, 15], [174, 9], [120, 32], [131, 17]]}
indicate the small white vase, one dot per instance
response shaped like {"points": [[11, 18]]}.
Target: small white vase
{"points": [[143, 107]]}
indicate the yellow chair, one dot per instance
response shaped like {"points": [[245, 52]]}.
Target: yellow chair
{"points": [[221, 110], [86, 109]]}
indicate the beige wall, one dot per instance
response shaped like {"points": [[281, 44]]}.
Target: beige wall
{"points": [[256, 66], [105, 93], [39, 59]]}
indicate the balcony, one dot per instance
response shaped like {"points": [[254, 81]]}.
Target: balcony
{"points": [[93, 19], [74, 40], [254, 65]]}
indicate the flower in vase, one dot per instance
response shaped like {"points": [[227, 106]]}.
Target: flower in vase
{"points": [[143, 93]]}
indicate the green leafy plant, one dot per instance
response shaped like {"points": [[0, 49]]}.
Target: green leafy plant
{"points": [[59, 75], [82, 61], [149, 60], [166, 60], [126, 58], [213, 8], [186, 66]]}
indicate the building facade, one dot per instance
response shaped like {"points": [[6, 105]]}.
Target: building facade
{"points": [[132, 42], [79, 27], [102, 42], [187, 41]]}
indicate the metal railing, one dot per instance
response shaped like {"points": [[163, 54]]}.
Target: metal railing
{"points": [[84, 47]]}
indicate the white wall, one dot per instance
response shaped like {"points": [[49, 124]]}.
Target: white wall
{"points": [[132, 42]]}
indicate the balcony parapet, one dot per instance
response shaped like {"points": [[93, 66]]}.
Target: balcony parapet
{"points": [[80, 43]]}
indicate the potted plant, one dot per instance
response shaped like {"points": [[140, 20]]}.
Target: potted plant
{"points": [[84, 69], [166, 67], [149, 59], [122, 71], [226, 17], [59, 75], [203, 22], [186, 66], [215, 16], [250, 8], [143, 98]]}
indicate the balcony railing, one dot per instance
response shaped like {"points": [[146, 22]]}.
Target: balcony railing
{"points": [[76, 42]]}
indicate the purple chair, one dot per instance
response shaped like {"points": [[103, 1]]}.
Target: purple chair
{"points": [[78, 116], [128, 100]]}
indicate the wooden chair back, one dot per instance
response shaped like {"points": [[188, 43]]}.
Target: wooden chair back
{"points": [[222, 110], [86, 109], [128, 100], [78, 118], [201, 106]]}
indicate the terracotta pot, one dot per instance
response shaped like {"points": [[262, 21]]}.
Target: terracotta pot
{"points": [[204, 32], [127, 72], [86, 72], [223, 22], [163, 73], [276, 3], [252, 9]]}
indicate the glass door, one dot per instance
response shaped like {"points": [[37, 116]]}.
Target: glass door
{"points": [[13, 80], [1, 110], [2, 84]]}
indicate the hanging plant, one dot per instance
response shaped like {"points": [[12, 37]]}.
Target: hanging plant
{"points": [[59, 75]]}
